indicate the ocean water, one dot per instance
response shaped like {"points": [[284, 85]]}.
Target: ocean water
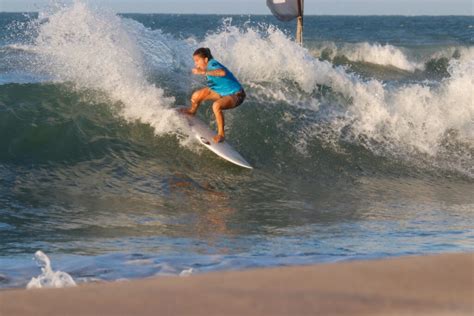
{"points": [[362, 142]]}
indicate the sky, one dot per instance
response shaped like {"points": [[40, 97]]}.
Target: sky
{"points": [[312, 7]]}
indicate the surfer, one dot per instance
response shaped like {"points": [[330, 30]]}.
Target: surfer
{"points": [[222, 88]]}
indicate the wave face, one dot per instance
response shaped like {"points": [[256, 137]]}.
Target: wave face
{"points": [[417, 122], [345, 130]]}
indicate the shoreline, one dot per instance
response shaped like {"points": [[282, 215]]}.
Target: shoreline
{"points": [[415, 285]]}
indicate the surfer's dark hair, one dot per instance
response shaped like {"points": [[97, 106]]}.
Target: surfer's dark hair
{"points": [[203, 52]]}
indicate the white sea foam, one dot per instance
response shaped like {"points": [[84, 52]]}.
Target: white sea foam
{"points": [[96, 49], [49, 278], [463, 54], [186, 272], [386, 55]]}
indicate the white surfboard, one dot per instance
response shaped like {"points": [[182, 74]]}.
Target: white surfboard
{"points": [[204, 135]]}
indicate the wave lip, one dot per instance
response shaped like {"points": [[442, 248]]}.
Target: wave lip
{"points": [[98, 50], [385, 55]]}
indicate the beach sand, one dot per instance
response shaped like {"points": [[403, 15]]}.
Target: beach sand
{"points": [[422, 285]]}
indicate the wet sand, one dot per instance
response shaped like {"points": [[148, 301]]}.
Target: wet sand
{"points": [[423, 285]]}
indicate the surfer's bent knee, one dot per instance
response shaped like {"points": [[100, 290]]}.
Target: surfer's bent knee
{"points": [[198, 95], [195, 97]]}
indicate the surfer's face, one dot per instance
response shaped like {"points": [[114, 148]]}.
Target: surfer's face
{"points": [[199, 62]]}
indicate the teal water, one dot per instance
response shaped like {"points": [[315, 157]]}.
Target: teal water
{"points": [[362, 143]]}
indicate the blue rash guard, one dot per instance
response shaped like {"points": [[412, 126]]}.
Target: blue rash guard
{"points": [[223, 86]]}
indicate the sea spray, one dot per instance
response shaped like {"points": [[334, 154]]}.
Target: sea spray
{"points": [[375, 53], [49, 278], [98, 50]]}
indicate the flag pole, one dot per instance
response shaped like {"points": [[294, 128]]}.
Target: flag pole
{"points": [[299, 25]]}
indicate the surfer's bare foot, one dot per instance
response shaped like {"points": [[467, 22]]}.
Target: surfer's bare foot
{"points": [[218, 138]]}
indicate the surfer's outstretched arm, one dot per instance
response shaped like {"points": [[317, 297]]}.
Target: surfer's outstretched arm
{"points": [[214, 73]]}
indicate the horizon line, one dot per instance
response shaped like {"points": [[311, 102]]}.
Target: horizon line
{"points": [[269, 14]]}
